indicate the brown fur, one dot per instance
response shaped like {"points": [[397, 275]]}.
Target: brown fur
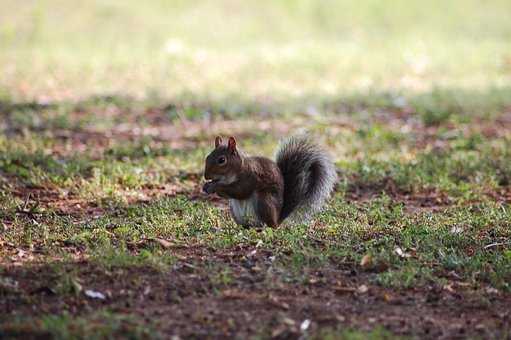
{"points": [[241, 178]]}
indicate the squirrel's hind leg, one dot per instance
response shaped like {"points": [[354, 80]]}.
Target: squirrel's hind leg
{"points": [[267, 209]]}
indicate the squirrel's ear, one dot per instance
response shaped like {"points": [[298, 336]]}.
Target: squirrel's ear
{"points": [[231, 144], [218, 141]]}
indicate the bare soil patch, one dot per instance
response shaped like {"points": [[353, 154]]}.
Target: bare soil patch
{"points": [[190, 300], [429, 199]]}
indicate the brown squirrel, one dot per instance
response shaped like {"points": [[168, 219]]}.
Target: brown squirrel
{"points": [[261, 191]]}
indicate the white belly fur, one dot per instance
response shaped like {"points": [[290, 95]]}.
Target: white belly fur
{"points": [[243, 211]]}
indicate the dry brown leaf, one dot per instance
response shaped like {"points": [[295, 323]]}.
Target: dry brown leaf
{"points": [[164, 243], [313, 280], [449, 288], [278, 303], [278, 331], [232, 294], [387, 297], [367, 261], [288, 321]]}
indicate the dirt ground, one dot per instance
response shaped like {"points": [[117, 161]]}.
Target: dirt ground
{"points": [[190, 302]]}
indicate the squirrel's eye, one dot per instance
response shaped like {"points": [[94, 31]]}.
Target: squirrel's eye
{"points": [[221, 160]]}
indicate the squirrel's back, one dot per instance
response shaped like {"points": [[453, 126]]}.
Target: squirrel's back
{"points": [[309, 176]]}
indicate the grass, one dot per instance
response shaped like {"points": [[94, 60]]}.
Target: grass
{"points": [[98, 326], [429, 205], [105, 131], [355, 335]]}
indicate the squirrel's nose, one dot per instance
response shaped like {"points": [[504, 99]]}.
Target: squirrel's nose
{"points": [[207, 176]]}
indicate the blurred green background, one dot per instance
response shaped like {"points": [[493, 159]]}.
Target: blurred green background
{"points": [[250, 50]]}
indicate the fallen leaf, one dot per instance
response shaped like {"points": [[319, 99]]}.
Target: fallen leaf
{"points": [[387, 297], [363, 289], [278, 303], [367, 261], [491, 290], [256, 269], [401, 253], [305, 325], [288, 321], [448, 288], [278, 331], [164, 243], [232, 294], [95, 295]]}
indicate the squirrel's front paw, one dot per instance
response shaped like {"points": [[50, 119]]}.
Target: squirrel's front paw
{"points": [[209, 187]]}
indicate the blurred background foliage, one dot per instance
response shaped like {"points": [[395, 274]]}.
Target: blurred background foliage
{"points": [[250, 50]]}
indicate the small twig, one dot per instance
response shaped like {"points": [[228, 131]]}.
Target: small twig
{"points": [[29, 213], [26, 202], [496, 244]]}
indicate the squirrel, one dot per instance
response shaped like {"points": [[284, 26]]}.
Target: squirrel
{"points": [[265, 192]]}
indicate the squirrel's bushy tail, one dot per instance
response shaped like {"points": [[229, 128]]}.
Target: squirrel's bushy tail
{"points": [[309, 176]]}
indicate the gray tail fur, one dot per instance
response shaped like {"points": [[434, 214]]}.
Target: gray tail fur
{"points": [[309, 176]]}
